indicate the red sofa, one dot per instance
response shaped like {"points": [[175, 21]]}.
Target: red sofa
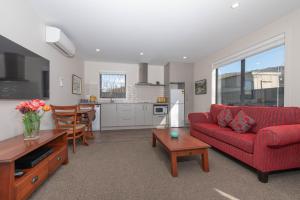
{"points": [[272, 144]]}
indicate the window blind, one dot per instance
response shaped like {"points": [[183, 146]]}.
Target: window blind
{"points": [[255, 49]]}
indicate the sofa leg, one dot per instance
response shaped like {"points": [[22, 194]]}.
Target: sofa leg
{"points": [[262, 176]]}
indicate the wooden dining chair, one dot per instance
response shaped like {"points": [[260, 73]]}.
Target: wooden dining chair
{"points": [[89, 117], [65, 117]]}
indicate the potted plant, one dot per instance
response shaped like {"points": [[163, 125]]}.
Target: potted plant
{"points": [[32, 111]]}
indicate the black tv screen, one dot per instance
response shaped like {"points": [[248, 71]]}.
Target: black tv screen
{"points": [[23, 74]]}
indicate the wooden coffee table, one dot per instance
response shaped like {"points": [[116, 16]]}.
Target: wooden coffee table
{"points": [[185, 145]]}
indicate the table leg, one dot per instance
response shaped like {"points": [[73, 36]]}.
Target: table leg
{"points": [[153, 140], [174, 165], [205, 165]]}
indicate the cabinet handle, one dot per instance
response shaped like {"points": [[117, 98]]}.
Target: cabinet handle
{"points": [[58, 158], [34, 179]]}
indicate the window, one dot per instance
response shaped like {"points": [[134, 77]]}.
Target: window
{"points": [[112, 86], [229, 83], [256, 80]]}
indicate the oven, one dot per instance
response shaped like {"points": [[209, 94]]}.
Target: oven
{"points": [[160, 109]]}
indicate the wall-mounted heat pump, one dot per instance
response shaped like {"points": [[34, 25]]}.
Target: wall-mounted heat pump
{"points": [[56, 38]]}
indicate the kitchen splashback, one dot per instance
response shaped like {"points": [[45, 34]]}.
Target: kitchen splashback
{"points": [[134, 93]]}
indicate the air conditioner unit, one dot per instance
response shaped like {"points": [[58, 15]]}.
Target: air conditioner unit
{"points": [[56, 38]]}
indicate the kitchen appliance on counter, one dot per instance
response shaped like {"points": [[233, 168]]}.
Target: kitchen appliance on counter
{"points": [[161, 100], [160, 109], [89, 99], [84, 101], [93, 98], [177, 103]]}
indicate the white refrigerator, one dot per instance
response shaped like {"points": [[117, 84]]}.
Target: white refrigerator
{"points": [[176, 107]]}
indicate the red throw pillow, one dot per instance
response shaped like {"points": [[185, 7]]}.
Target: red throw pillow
{"points": [[242, 122], [224, 117]]}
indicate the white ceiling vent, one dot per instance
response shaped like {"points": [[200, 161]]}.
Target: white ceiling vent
{"points": [[56, 38]]}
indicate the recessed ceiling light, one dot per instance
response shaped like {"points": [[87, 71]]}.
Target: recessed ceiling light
{"points": [[235, 5], [142, 53], [98, 50], [184, 57]]}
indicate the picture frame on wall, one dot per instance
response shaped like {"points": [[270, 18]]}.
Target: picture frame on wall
{"points": [[200, 87], [76, 84]]}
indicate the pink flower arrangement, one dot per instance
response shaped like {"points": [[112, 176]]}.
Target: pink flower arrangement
{"points": [[32, 111], [33, 105]]}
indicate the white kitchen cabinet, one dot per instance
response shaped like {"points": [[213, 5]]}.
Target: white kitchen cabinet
{"points": [[139, 114], [148, 114], [143, 114], [125, 114], [108, 115]]}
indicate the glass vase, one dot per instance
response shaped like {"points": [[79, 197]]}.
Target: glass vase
{"points": [[31, 124]]}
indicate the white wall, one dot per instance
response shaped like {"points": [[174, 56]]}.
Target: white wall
{"points": [[182, 72], [20, 24], [290, 25], [133, 93]]}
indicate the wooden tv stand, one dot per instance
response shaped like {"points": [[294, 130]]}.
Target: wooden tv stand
{"points": [[13, 188]]}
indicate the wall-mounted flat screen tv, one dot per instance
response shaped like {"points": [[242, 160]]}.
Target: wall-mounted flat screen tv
{"points": [[23, 74]]}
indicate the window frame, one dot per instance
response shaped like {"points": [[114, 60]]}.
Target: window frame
{"points": [[100, 85], [243, 96]]}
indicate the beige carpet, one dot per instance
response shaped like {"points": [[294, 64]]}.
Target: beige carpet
{"points": [[124, 166]]}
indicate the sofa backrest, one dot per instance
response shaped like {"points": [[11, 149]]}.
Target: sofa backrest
{"points": [[263, 116]]}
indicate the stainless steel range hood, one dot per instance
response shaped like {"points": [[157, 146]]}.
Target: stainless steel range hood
{"points": [[143, 74]]}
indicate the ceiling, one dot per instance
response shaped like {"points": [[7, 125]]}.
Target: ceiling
{"points": [[164, 30]]}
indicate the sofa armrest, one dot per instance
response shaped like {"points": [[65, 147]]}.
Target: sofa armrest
{"points": [[277, 148], [203, 117], [276, 136]]}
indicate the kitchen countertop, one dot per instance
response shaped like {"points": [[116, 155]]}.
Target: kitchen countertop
{"points": [[99, 103]]}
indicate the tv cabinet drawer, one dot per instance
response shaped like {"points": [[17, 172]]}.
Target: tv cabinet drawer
{"points": [[56, 159], [31, 180]]}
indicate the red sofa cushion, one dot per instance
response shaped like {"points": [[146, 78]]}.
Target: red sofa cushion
{"points": [[224, 118], [215, 109], [227, 148], [209, 128], [244, 142], [242, 122]]}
